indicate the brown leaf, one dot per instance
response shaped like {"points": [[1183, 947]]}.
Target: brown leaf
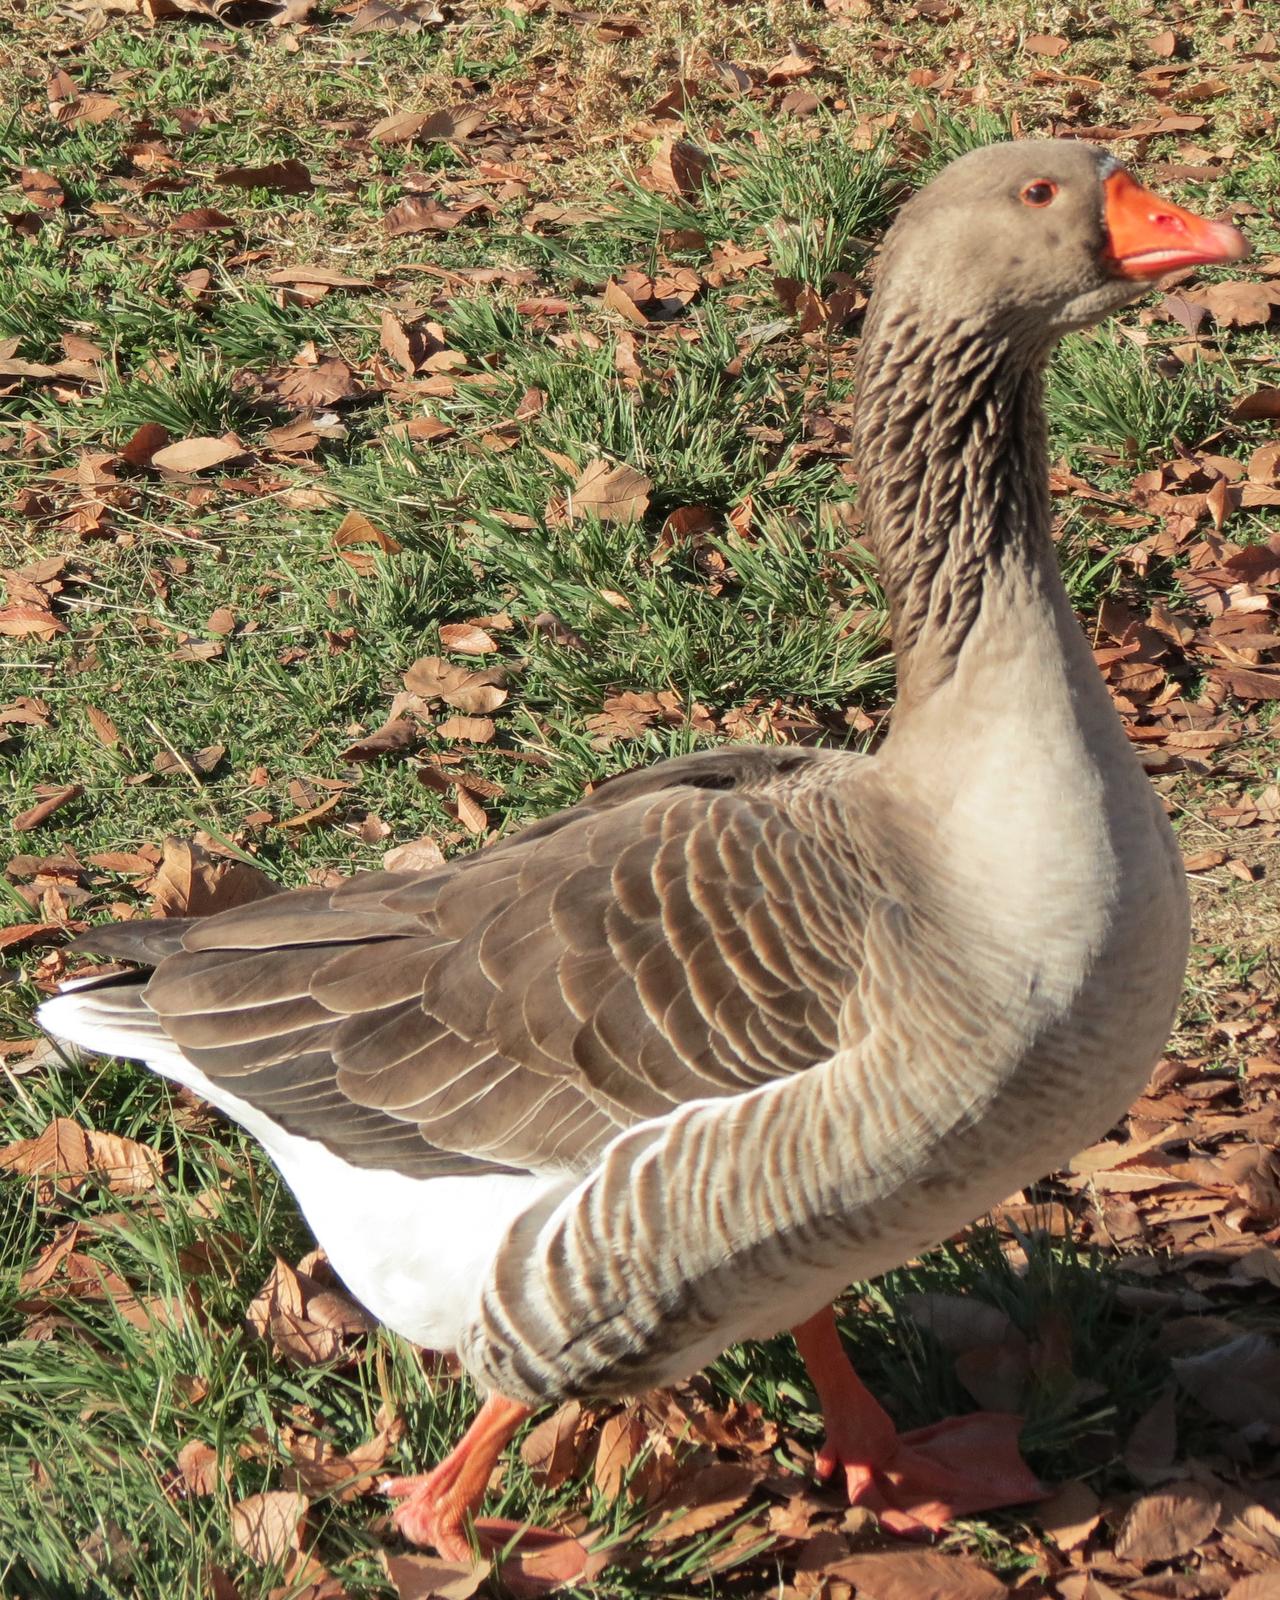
{"points": [[60, 1150], [280, 177], [42, 189], [28, 621], [403, 127], [266, 1527], [471, 814], [197, 455], [203, 220], [103, 727], [1262, 405], [680, 168], [617, 299], [466, 639], [701, 1501], [418, 855], [45, 808], [198, 1464], [127, 1166], [356, 529], [418, 1577], [1167, 1524], [307, 819], [1163, 44], [389, 739], [918, 1575], [475, 730], [436, 679], [612, 493], [622, 1437], [1045, 44], [550, 1450], [323, 382], [1238, 1382], [417, 214], [1069, 1516], [191, 883], [17, 933]]}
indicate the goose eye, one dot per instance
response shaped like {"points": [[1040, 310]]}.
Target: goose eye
{"points": [[1038, 193]]}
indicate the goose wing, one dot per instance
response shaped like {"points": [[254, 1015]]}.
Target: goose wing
{"points": [[688, 932]]}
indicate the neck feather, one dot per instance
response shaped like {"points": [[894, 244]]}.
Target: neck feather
{"points": [[954, 487]]}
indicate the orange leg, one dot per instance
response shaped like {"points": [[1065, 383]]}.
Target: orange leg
{"points": [[439, 1505], [914, 1482]]}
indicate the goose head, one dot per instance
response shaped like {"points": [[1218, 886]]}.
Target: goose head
{"points": [[1040, 237]]}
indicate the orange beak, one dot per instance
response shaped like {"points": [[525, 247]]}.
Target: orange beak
{"points": [[1148, 236]]}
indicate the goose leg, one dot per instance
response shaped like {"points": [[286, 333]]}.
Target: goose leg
{"points": [[914, 1482], [439, 1505]]}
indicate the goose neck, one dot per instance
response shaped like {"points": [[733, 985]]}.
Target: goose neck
{"points": [[954, 481]]}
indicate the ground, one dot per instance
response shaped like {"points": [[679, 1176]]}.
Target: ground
{"points": [[411, 415]]}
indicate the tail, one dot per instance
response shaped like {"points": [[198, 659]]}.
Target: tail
{"points": [[108, 1016]]}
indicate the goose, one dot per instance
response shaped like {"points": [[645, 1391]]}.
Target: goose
{"points": [[671, 1068]]}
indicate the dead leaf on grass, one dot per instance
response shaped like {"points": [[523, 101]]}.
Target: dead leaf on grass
{"points": [[612, 493], [418, 1577], [390, 739], [418, 855], [42, 189], [466, 639], [356, 529], [701, 1501], [403, 127], [198, 455], [476, 692], [290, 176], [190, 882], [917, 1574], [45, 807], [198, 1464], [267, 1527]]}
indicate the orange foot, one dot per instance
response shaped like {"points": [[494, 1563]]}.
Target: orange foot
{"points": [[439, 1507], [915, 1482]]}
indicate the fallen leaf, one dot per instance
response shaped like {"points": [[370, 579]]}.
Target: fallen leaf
{"points": [[550, 1450], [267, 1527], [417, 214], [476, 692], [198, 1464], [45, 808], [1167, 1524], [197, 455], [680, 168], [192, 883], [1045, 44], [418, 1577], [1238, 1382], [280, 177], [466, 639], [418, 855], [42, 189], [1069, 1516], [356, 529], [612, 493], [405, 126], [391, 738], [708, 1497], [29, 621], [475, 730], [917, 1575]]}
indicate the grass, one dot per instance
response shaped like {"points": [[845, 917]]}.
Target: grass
{"points": [[767, 623]]}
